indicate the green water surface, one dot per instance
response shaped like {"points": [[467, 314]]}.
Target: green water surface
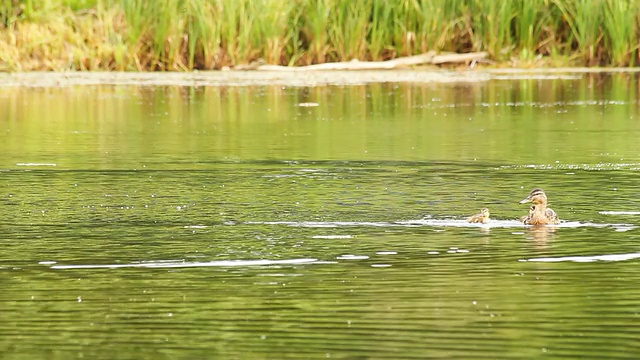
{"points": [[233, 223]]}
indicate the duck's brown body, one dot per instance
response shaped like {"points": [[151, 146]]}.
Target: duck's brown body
{"points": [[483, 217], [539, 213]]}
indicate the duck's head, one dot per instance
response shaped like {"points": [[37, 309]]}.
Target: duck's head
{"points": [[536, 196], [485, 212]]}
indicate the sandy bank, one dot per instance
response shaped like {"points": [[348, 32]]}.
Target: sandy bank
{"points": [[293, 78]]}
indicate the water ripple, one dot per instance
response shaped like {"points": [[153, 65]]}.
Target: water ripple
{"points": [[437, 223], [619, 212], [592, 258], [183, 264], [559, 166]]}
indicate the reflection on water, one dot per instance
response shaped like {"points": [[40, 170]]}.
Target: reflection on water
{"points": [[178, 222]]}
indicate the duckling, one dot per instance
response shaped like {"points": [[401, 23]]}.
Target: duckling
{"points": [[533, 218], [552, 216], [525, 219], [539, 214], [483, 217]]}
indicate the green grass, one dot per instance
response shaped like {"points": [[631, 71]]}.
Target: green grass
{"points": [[182, 35]]}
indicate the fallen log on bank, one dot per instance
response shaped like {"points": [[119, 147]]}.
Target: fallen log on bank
{"points": [[429, 58]]}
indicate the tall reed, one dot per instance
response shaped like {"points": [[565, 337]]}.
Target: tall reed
{"points": [[491, 26], [179, 35], [621, 32], [532, 16], [584, 18]]}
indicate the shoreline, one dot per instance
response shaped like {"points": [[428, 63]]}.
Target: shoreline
{"points": [[292, 78]]}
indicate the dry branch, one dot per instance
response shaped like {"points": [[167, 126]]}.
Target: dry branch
{"points": [[427, 58]]}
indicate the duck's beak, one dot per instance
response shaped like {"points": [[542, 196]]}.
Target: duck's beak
{"points": [[526, 200]]}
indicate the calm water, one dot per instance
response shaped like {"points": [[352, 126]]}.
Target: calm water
{"points": [[212, 222]]}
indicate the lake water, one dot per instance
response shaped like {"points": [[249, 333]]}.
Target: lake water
{"points": [[254, 222]]}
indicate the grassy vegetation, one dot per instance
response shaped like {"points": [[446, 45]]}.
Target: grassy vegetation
{"points": [[175, 35]]}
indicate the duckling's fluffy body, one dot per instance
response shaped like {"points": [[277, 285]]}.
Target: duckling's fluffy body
{"points": [[483, 217]]}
